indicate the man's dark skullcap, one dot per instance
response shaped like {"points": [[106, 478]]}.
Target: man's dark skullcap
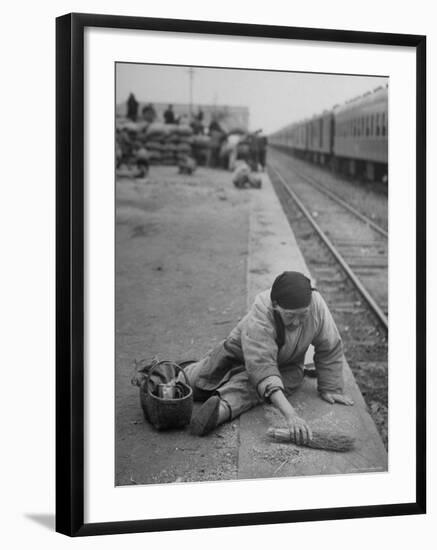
{"points": [[291, 290]]}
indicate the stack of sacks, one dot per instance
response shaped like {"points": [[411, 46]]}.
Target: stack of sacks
{"points": [[166, 143]]}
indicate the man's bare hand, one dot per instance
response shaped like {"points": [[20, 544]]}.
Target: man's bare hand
{"points": [[299, 430], [336, 398]]}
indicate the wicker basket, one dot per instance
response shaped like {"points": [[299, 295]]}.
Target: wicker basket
{"points": [[162, 413]]}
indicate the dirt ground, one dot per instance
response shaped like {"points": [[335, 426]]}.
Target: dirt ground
{"points": [[181, 255]]}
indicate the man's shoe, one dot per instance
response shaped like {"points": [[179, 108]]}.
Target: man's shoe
{"points": [[207, 417]]}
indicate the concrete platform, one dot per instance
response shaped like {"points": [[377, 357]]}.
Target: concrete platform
{"points": [[273, 249]]}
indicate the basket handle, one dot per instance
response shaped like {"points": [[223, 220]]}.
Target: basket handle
{"points": [[146, 381]]}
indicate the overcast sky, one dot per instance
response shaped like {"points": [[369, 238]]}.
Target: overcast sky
{"points": [[274, 99]]}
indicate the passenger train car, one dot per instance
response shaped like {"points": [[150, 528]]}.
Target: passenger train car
{"points": [[351, 138]]}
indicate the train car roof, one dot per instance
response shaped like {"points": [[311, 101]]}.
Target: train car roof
{"points": [[324, 113], [379, 95], [289, 126]]}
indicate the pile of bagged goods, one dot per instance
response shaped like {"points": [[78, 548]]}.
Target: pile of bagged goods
{"points": [[164, 144], [143, 142]]}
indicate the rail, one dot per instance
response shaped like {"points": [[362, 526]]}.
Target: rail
{"points": [[346, 268], [342, 202]]}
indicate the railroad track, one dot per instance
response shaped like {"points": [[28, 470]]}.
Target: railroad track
{"points": [[342, 202], [357, 243]]}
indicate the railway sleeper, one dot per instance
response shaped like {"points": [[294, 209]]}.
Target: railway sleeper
{"points": [[363, 266], [354, 242], [367, 254], [350, 311]]}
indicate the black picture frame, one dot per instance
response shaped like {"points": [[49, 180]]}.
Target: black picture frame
{"points": [[70, 272]]}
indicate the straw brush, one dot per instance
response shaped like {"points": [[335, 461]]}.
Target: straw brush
{"points": [[320, 440]]}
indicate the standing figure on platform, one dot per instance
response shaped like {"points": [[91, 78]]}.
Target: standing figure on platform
{"points": [[169, 116], [197, 122], [262, 359], [253, 161], [149, 113], [262, 150], [217, 137], [132, 107]]}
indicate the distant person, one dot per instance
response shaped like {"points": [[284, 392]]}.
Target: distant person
{"points": [[244, 178], [125, 143], [149, 113], [197, 124], [187, 165], [228, 152], [243, 149], [217, 136], [169, 116], [132, 107], [142, 162], [253, 142], [214, 126], [262, 150]]}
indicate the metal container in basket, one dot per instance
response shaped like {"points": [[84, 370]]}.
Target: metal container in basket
{"points": [[167, 412]]}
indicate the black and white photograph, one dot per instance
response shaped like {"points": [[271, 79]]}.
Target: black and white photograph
{"points": [[251, 274], [218, 259]]}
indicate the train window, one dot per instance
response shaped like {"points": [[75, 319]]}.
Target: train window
{"points": [[372, 120], [383, 132], [377, 124], [367, 125]]}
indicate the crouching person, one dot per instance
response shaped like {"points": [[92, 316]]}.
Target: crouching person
{"points": [[142, 162], [262, 359], [243, 178]]}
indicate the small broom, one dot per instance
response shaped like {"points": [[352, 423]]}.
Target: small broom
{"points": [[328, 441]]}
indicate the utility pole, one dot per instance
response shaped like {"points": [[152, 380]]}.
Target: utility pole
{"points": [[191, 75]]}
